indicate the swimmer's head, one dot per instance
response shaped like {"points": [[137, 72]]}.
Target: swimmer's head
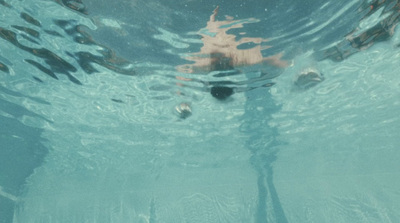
{"points": [[221, 92]]}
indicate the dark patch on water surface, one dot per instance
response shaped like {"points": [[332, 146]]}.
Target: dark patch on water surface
{"points": [[74, 30], [54, 63], [3, 3], [356, 41], [107, 60], [4, 68], [27, 30], [30, 19], [53, 33], [37, 79], [75, 5], [117, 100], [42, 68]]}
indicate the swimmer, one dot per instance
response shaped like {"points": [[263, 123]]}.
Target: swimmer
{"points": [[220, 54], [220, 49]]}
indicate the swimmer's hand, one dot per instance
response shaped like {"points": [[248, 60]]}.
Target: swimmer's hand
{"points": [[215, 13]]}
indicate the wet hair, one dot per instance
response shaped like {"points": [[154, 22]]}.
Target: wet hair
{"points": [[221, 92]]}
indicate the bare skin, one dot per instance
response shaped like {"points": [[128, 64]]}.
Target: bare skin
{"points": [[220, 49]]}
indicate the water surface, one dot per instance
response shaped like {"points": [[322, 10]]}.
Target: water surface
{"points": [[89, 130]]}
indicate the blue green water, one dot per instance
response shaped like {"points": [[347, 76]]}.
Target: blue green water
{"points": [[89, 130]]}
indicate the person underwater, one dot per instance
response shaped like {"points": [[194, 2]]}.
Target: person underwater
{"points": [[220, 53]]}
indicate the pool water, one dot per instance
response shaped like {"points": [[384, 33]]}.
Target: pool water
{"points": [[108, 113]]}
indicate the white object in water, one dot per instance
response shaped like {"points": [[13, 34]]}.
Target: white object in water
{"points": [[308, 78], [183, 110]]}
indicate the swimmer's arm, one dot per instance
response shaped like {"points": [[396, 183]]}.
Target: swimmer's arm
{"points": [[215, 13], [275, 60], [252, 40]]}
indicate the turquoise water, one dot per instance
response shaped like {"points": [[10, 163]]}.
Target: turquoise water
{"points": [[90, 132]]}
